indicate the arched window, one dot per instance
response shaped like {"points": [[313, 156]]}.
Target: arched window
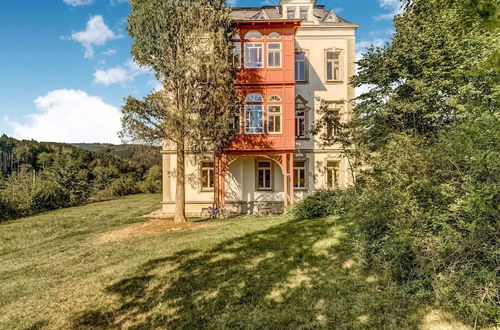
{"points": [[300, 117], [253, 35], [254, 123], [274, 118], [273, 35], [254, 98]]}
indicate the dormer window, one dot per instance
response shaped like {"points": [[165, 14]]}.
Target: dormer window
{"points": [[290, 13]]}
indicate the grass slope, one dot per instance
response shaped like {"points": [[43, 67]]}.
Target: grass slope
{"points": [[248, 273]]}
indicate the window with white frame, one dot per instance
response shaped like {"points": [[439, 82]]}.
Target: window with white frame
{"points": [[299, 174], [253, 35], [253, 55], [335, 108], [332, 174], [254, 123], [290, 13], [300, 67], [300, 117], [207, 176], [332, 66], [237, 54], [274, 54], [264, 175], [274, 118], [304, 13], [274, 35]]}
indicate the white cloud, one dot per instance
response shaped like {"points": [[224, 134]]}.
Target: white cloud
{"points": [[97, 33], [68, 115], [78, 2], [109, 52], [119, 74], [111, 76], [393, 6]]}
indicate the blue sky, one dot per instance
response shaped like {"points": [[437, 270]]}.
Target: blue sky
{"points": [[65, 65]]}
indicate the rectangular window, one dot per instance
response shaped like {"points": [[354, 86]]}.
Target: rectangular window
{"points": [[300, 67], [264, 175], [274, 54], [237, 54], [207, 176], [333, 124], [332, 66], [332, 174], [253, 55], [274, 119], [253, 119], [303, 13], [300, 119], [290, 13], [299, 174]]}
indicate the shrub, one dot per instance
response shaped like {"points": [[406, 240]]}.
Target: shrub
{"points": [[47, 196], [152, 180], [321, 204], [123, 186]]}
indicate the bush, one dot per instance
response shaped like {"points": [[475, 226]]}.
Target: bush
{"points": [[123, 186], [321, 204], [47, 196], [152, 180]]}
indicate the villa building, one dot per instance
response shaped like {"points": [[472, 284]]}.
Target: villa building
{"points": [[291, 57]]}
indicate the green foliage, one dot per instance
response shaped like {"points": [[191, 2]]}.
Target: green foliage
{"points": [[321, 204], [428, 205], [38, 177]]}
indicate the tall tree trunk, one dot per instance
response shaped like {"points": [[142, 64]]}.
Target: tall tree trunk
{"points": [[180, 193]]}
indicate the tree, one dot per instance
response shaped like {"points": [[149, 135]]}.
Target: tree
{"points": [[428, 208], [332, 131], [188, 45]]}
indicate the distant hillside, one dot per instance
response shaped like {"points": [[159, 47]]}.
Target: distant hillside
{"points": [[145, 154], [41, 176]]}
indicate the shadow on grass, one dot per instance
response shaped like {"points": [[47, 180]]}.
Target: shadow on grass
{"points": [[293, 275]]}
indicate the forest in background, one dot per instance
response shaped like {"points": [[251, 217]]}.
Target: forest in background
{"points": [[41, 176]]}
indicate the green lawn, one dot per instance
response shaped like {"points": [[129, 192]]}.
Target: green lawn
{"points": [[246, 273]]}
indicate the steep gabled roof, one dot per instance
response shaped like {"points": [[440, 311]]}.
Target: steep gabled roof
{"points": [[274, 13]]}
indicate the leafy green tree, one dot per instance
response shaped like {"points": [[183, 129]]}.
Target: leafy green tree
{"points": [[187, 43], [429, 208], [333, 132]]}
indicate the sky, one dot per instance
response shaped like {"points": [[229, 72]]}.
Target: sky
{"points": [[65, 65]]}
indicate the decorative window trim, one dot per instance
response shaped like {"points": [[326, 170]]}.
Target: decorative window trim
{"points": [[305, 167], [336, 106], [274, 98], [274, 35], [271, 177], [211, 173], [306, 66], [254, 98], [269, 51], [335, 182], [338, 52], [275, 114], [301, 100], [254, 103], [251, 45], [253, 35]]}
